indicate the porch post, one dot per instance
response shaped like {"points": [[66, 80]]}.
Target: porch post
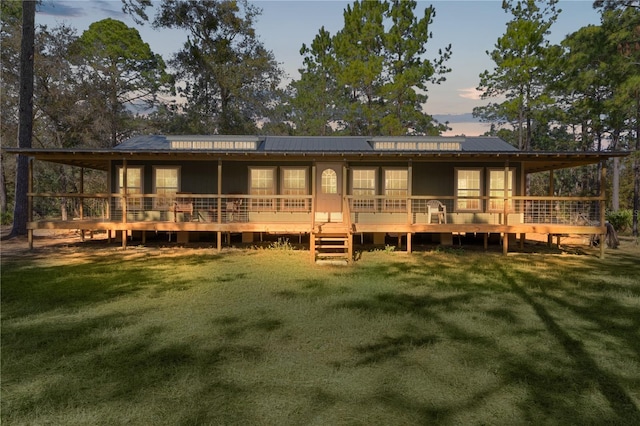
{"points": [[124, 190], [522, 191], [81, 207], [505, 209], [312, 237], [410, 202], [551, 191], [30, 202], [124, 233], [219, 206], [603, 213]]}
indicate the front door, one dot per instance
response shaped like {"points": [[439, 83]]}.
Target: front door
{"points": [[329, 192]]}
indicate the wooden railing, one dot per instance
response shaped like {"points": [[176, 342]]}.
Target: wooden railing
{"points": [[225, 208]]}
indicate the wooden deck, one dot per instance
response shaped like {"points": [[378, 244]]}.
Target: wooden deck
{"points": [[208, 214]]}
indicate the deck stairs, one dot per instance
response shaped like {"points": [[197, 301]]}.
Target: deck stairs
{"points": [[332, 245]]}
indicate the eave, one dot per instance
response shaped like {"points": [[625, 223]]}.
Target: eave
{"points": [[532, 161]]}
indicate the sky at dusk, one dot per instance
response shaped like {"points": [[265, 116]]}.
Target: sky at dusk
{"points": [[472, 27]]}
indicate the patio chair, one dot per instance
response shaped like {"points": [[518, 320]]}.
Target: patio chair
{"points": [[183, 205], [435, 207]]}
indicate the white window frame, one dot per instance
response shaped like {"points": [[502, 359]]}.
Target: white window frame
{"points": [[458, 200], [268, 202], [165, 202], [135, 203], [294, 204], [369, 202], [395, 204], [330, 188], [495, 201]]}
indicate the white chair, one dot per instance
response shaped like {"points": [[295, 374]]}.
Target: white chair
{"points": [[435, 207]]}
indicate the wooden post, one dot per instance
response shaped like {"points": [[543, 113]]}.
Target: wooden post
{"points": [[408, 242], [312, 235], [219, 207], [551, 191], [81, 207], [124, 191], [409, 195], [603, 213], [505, 208], [30, 203]]}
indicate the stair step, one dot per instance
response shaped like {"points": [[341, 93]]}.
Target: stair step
{"points": [[325, 254]]}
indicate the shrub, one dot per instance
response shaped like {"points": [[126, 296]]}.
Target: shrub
{"points": [[620, 219], [281, 244], [6, 218]]}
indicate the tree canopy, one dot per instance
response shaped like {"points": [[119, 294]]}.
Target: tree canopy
{"points": [[371, 77]]}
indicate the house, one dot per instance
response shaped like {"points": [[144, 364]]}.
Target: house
{"points": [[335, 190]]}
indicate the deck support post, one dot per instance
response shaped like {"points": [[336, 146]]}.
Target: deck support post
{"points": [[124, 238], [312, 246], [505, 208], [81, 206], [409, 242], [603, 213], [219, 240], [30, 201]]}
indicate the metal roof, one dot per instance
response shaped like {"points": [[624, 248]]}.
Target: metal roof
{"points": [[471, 150], [317, 144]]}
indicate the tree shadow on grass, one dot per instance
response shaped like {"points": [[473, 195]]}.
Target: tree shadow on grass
{"points": [[587, 370], [555, 389], [87, 363]]}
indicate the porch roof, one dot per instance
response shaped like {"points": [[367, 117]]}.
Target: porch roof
{"points": [[353, 148]]}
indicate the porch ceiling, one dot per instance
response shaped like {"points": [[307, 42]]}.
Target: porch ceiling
{"points": [[533, 161]]}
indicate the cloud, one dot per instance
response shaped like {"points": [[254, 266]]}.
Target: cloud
{"points": [[80, 9], [470, 93], [61, 9]]}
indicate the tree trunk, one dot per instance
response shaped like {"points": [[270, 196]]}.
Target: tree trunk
{"points": [[25, 128], [3, 189]]}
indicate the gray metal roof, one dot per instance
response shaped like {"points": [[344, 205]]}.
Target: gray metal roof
{"points": [[485, 144], [316, 144], [319, 144]]}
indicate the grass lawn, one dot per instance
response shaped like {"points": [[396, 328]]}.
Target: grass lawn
{"points": [[263, 337]]}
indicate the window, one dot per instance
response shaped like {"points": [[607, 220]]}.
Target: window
{"points": [[363, 189], [468, 189], [396, 189], [497, 187], [133, 186], [262, 182], [294, 182], [329, 182], [166, 183]]}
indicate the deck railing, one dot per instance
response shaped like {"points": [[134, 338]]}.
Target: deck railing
{"points": [[579, 211], [180, 207], [225, 208]]}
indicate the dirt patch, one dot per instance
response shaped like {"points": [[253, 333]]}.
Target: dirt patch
{"points": [[68, 246]]}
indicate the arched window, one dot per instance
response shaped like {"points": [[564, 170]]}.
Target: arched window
{"points": [[329, 182]]}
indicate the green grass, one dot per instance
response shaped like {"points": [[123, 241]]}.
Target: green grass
{"points": [[264, 337]]}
